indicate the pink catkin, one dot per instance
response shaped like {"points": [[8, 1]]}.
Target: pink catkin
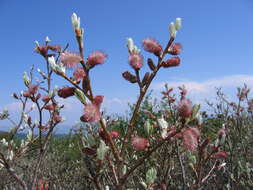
{"points": [[140, 143], [33, 89], [79, 74], [49, 107], [136, 61], [46, 98], [114, 134], [98, 100], [172, 62], [185, 108], [96, 58], [70, 60], [175, 49], [91, 113], [66, 92], [220, 155], [57, 118], [26, 94], [152, 46], [190, 138]]}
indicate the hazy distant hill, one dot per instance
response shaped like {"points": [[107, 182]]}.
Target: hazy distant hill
{"points": [[4, 134]]}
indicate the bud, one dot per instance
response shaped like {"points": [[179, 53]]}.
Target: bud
{"points": [[47, 40], [49, 107], [101, 151], [57, 118], [75, 21], [33, 89], [26, 94], [85, 84], [148, 127], [52, 63], [114, 134], [172, 29], [185, 108], [14, 95], [172, 62], [29, 135], [55, 48], [222, 136], [26, 79], [10, 155], [38, 97], [178, 23], [199, 118], [151, 176], [98, 100], [151, 64], [66, 92], [195, 110], [205, 144], [4, 142], [220, 155], [37, 43], [129, 77], [46, 99], [89, 151], [136, 50], [42, 50], [60, 69], [124, 170], [33, 106], [192, 158], [143, 184], [162, 123], [145, 78], [140, 143], [25, 117], [55, 67], [130, 45], [164, 126], [175, 49], [80, 96]]}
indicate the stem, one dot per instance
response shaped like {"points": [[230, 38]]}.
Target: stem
{"points": [[40, 124], [181, 165], [20, 120], [210, 172], [114, 149]]}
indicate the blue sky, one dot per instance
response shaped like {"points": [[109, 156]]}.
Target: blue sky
{"points": [[216, 37]]}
